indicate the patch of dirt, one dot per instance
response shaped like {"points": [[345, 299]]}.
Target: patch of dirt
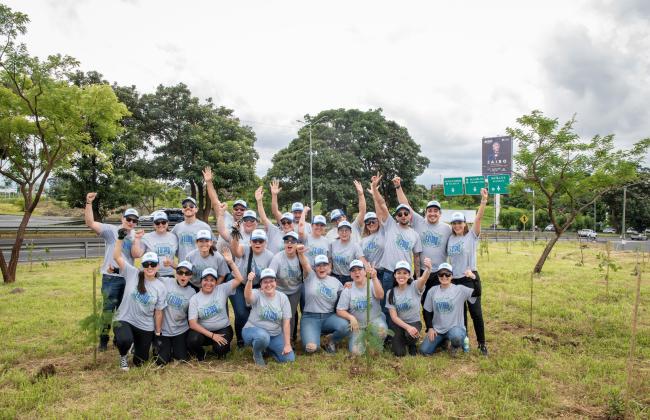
{"points": [[17, 290]]}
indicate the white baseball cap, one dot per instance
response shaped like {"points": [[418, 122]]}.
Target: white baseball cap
{"points": [[297, 206], [335, 214], [434, 203], [287, 216], [149, 257], [249, 214], [291, 234], [321, 259], [240, 203], [203, 234], [319, 220], [343, 224], [184, 264], [190, 199], [356, 263], [402, 206], [403, 265], [209, 272], [445, 266], [131, 212], [258, 234], [159, 215], [370, 215], [457, 217], [267, 272]]}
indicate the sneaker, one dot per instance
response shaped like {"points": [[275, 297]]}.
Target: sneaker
{"points": [[259, 359], [483, 349], [124, 363], [240, 344], [413, 351], [330, 347], [132, 349], [103, 343]]}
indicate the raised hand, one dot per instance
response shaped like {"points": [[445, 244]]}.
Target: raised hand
{"points": [[358, 187], [139, 234], [275, 187], [397, 182], [227, 255], [469, 274], [259, 193], [427, 263], [251, 276], [90, 197], [484, 194], [300, 248], [375, 180], [221, 208], [207, 174]]}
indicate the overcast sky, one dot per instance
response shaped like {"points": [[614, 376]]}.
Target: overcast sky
{"points": [[450, 72]]}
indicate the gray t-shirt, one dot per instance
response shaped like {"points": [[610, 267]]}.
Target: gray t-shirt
{"points": [[316, 246], [400, 244], [165, 246], [258, 263], [210, 310], [287, 271], [109, 234], [275, 243], [373, 246], [186, 234], [244, 240], [434, 240], [268, 313], [447, 306], [342, 255], [355, 237], [462, 253], [137, 309], [175, 314], [200, 263], [355, 302], [406, 303], [321, 294]]}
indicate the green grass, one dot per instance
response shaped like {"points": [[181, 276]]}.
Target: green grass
{"points": [[572, 363]]}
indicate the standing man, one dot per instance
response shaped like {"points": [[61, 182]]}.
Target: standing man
{"points": [[186, 230], [337, 216], [434, 235], [112, 279], [402, 242], [297, 209]]}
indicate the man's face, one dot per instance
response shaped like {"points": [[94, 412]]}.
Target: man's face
{"points": [[403, 216], [433, 214], [189, 209], [238, 211], [496, 147], [296, 215]]}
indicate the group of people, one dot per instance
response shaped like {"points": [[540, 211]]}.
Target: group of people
{"points": [[378, 274]]}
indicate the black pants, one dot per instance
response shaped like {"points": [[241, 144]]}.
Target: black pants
{"points": [[196, 341], [126, 334], [433, 280], [172, 348], [475, 310], [402, 340]]}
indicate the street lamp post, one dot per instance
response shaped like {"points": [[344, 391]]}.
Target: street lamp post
{"points": [[311, 162], [534, 231]]}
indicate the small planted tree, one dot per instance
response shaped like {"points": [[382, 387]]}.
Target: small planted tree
{"points": [[567, 172]]}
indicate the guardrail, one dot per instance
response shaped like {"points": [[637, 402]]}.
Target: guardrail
{"points": [[86, 246]]}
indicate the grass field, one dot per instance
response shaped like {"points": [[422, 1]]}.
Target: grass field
{"points": [[572, 364]]}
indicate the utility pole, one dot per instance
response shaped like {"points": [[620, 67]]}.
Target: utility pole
{"points": [[623, 222]]}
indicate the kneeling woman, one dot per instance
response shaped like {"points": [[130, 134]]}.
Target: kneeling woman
{"points": [[141, 310], [403, 304], [172, 342], [321, 293], [443, 312], [353, 306], [268, 328], [208, 313]]}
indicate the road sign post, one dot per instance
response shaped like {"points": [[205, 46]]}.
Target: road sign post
{"points": [[453, 186], [524, 219], [499, 184], [473, 185]]}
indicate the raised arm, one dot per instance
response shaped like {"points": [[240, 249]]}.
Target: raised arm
{"points": [[380, 204], [89, 218], [304, 262], [401, 197], [376, 284], [275, 190], [422, 281], [259, 198], [237, 278], [236, 248], [220, 211], [212, 192], [248, 289], [479, 213], [362, 203], [301, 224], [117, 252], [137, 250]]}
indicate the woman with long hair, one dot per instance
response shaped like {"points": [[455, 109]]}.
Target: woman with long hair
{"points": [[206, 256]]}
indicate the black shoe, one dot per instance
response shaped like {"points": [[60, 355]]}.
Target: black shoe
{"points": [[103, 343], [388, 342], [413, 350], [483, 349], [240, 344]]}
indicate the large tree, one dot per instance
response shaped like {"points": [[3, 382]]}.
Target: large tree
{"points": [[44, 119], [187, 135], [348, 144], [637, 206], [567, 172]]}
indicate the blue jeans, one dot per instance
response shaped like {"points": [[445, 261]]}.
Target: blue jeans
{"points": [[312, 325], [456, 335], [387, 280], [356, 345], [241, 311], [261, 341], [112, 293]]}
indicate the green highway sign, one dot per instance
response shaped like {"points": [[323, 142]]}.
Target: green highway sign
{"points": [[499, 184], [453, 186], [473, 185]]}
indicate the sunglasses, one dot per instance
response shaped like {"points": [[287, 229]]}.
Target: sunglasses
{"points": [[249, 219], [239, 208], [444, 275], [131, 220], [286, 222], [402, 214], [149, 264], [290, 241], [189, 206], [257, 241], [183, 273], [160, 222], [371, 221]]}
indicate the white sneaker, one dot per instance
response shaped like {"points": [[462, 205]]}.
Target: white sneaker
{"points": [[124, 363]]}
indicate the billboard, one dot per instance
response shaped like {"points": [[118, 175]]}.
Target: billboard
{"points": [[497, 155]]}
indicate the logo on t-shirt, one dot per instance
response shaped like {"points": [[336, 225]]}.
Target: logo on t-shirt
{"points": [[326, 292], [177, 302], [292, 273], [430, 239], [145, 299], [455, 249], [186, 239], [340, 260], [359, 304], [370, 248], [163, 250], [209, 311], [403, 243], [444, 305], [403, 304], [316, 251], [270, 313]]}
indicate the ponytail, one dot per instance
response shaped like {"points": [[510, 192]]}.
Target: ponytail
{"points": [[141, 289], [213, 248], [390, 297]]}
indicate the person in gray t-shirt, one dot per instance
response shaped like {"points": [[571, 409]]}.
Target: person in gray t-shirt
{"points": [[171, 343], [208, 312], [373, 239], [461, 249], [315, 242], [206, 255], [186, 230], [443, 312], [403, 304], [112, 280], [269, 324], [160, 241], [342, 251], [353, 306]]}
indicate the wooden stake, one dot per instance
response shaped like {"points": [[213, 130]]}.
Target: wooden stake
{"points": [[630, 357]]}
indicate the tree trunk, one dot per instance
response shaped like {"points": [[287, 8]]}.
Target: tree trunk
{"points": [[545, 254], [9, 272]]}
